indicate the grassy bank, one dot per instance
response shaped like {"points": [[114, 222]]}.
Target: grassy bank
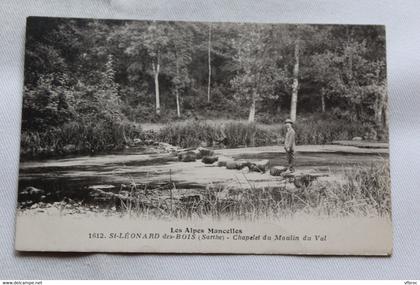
{"points": [[96, 137], [78, 138], [364, 191], [228, 133], [243, 134]]}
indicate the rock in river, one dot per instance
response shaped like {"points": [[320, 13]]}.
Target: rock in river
{"points": [[101, 186], [262, 166], [31, 193], [245, 170], [277, 170], [187, 156], [231, 164], [205, 152], [209, 159], [304, 180], [222, 161]]}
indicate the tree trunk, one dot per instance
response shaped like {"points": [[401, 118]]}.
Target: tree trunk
{"points": [[278, 106], [381, 117], [177, 77], [378, 113], [156, 68], [322, 102], [251, 117], [295, 85], [209, 64], [178, 106], [123, 133], [386, 112]]}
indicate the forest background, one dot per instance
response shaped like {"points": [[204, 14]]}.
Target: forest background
{"points": [[99, 85]]}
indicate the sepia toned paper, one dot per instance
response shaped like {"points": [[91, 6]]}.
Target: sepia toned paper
{"points": [[197, 137]]}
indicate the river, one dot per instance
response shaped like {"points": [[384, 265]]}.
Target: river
{"points": [[71, 176]]}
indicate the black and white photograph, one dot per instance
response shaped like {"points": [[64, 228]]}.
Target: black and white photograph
{"points": [[205, 137]]}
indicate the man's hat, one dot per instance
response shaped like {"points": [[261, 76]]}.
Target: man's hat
{"points": [[288, 121]]}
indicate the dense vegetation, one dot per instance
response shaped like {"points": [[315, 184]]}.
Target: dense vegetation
{"points": [[90, 84], [310, 130]]}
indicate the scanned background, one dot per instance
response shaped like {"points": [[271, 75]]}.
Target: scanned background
{"points": [[403, 40]]}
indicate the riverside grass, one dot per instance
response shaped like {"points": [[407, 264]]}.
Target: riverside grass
{"points": [[97, 137], [363, 191], [244, 134]]}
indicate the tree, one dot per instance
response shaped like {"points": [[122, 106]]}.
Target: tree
{"points": [[108, 91], [179, 58], [353, 76], [212, 69], [209, 64], [300, 37], [252, 61], [47, 104], [295, 85], [148, 43], [137, 68]]}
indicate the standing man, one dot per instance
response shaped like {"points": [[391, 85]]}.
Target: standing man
{"points": [[290, 144]]}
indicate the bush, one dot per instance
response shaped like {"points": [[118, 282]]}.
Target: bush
{"points": [[240, 134], [188, 134], [312, 130], [231, 133], [105, 133], [365, 190], [79, 137], [316, 130], [249, 134]]}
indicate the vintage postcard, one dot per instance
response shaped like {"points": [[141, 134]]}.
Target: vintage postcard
{"points": [[199, 137]]}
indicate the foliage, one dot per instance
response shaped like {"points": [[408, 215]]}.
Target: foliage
{"points": [[102, 72], [188, 134], [252, 67], [315, 130], [74, 137], [311, 130], [49, 104], [350, 78]]}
